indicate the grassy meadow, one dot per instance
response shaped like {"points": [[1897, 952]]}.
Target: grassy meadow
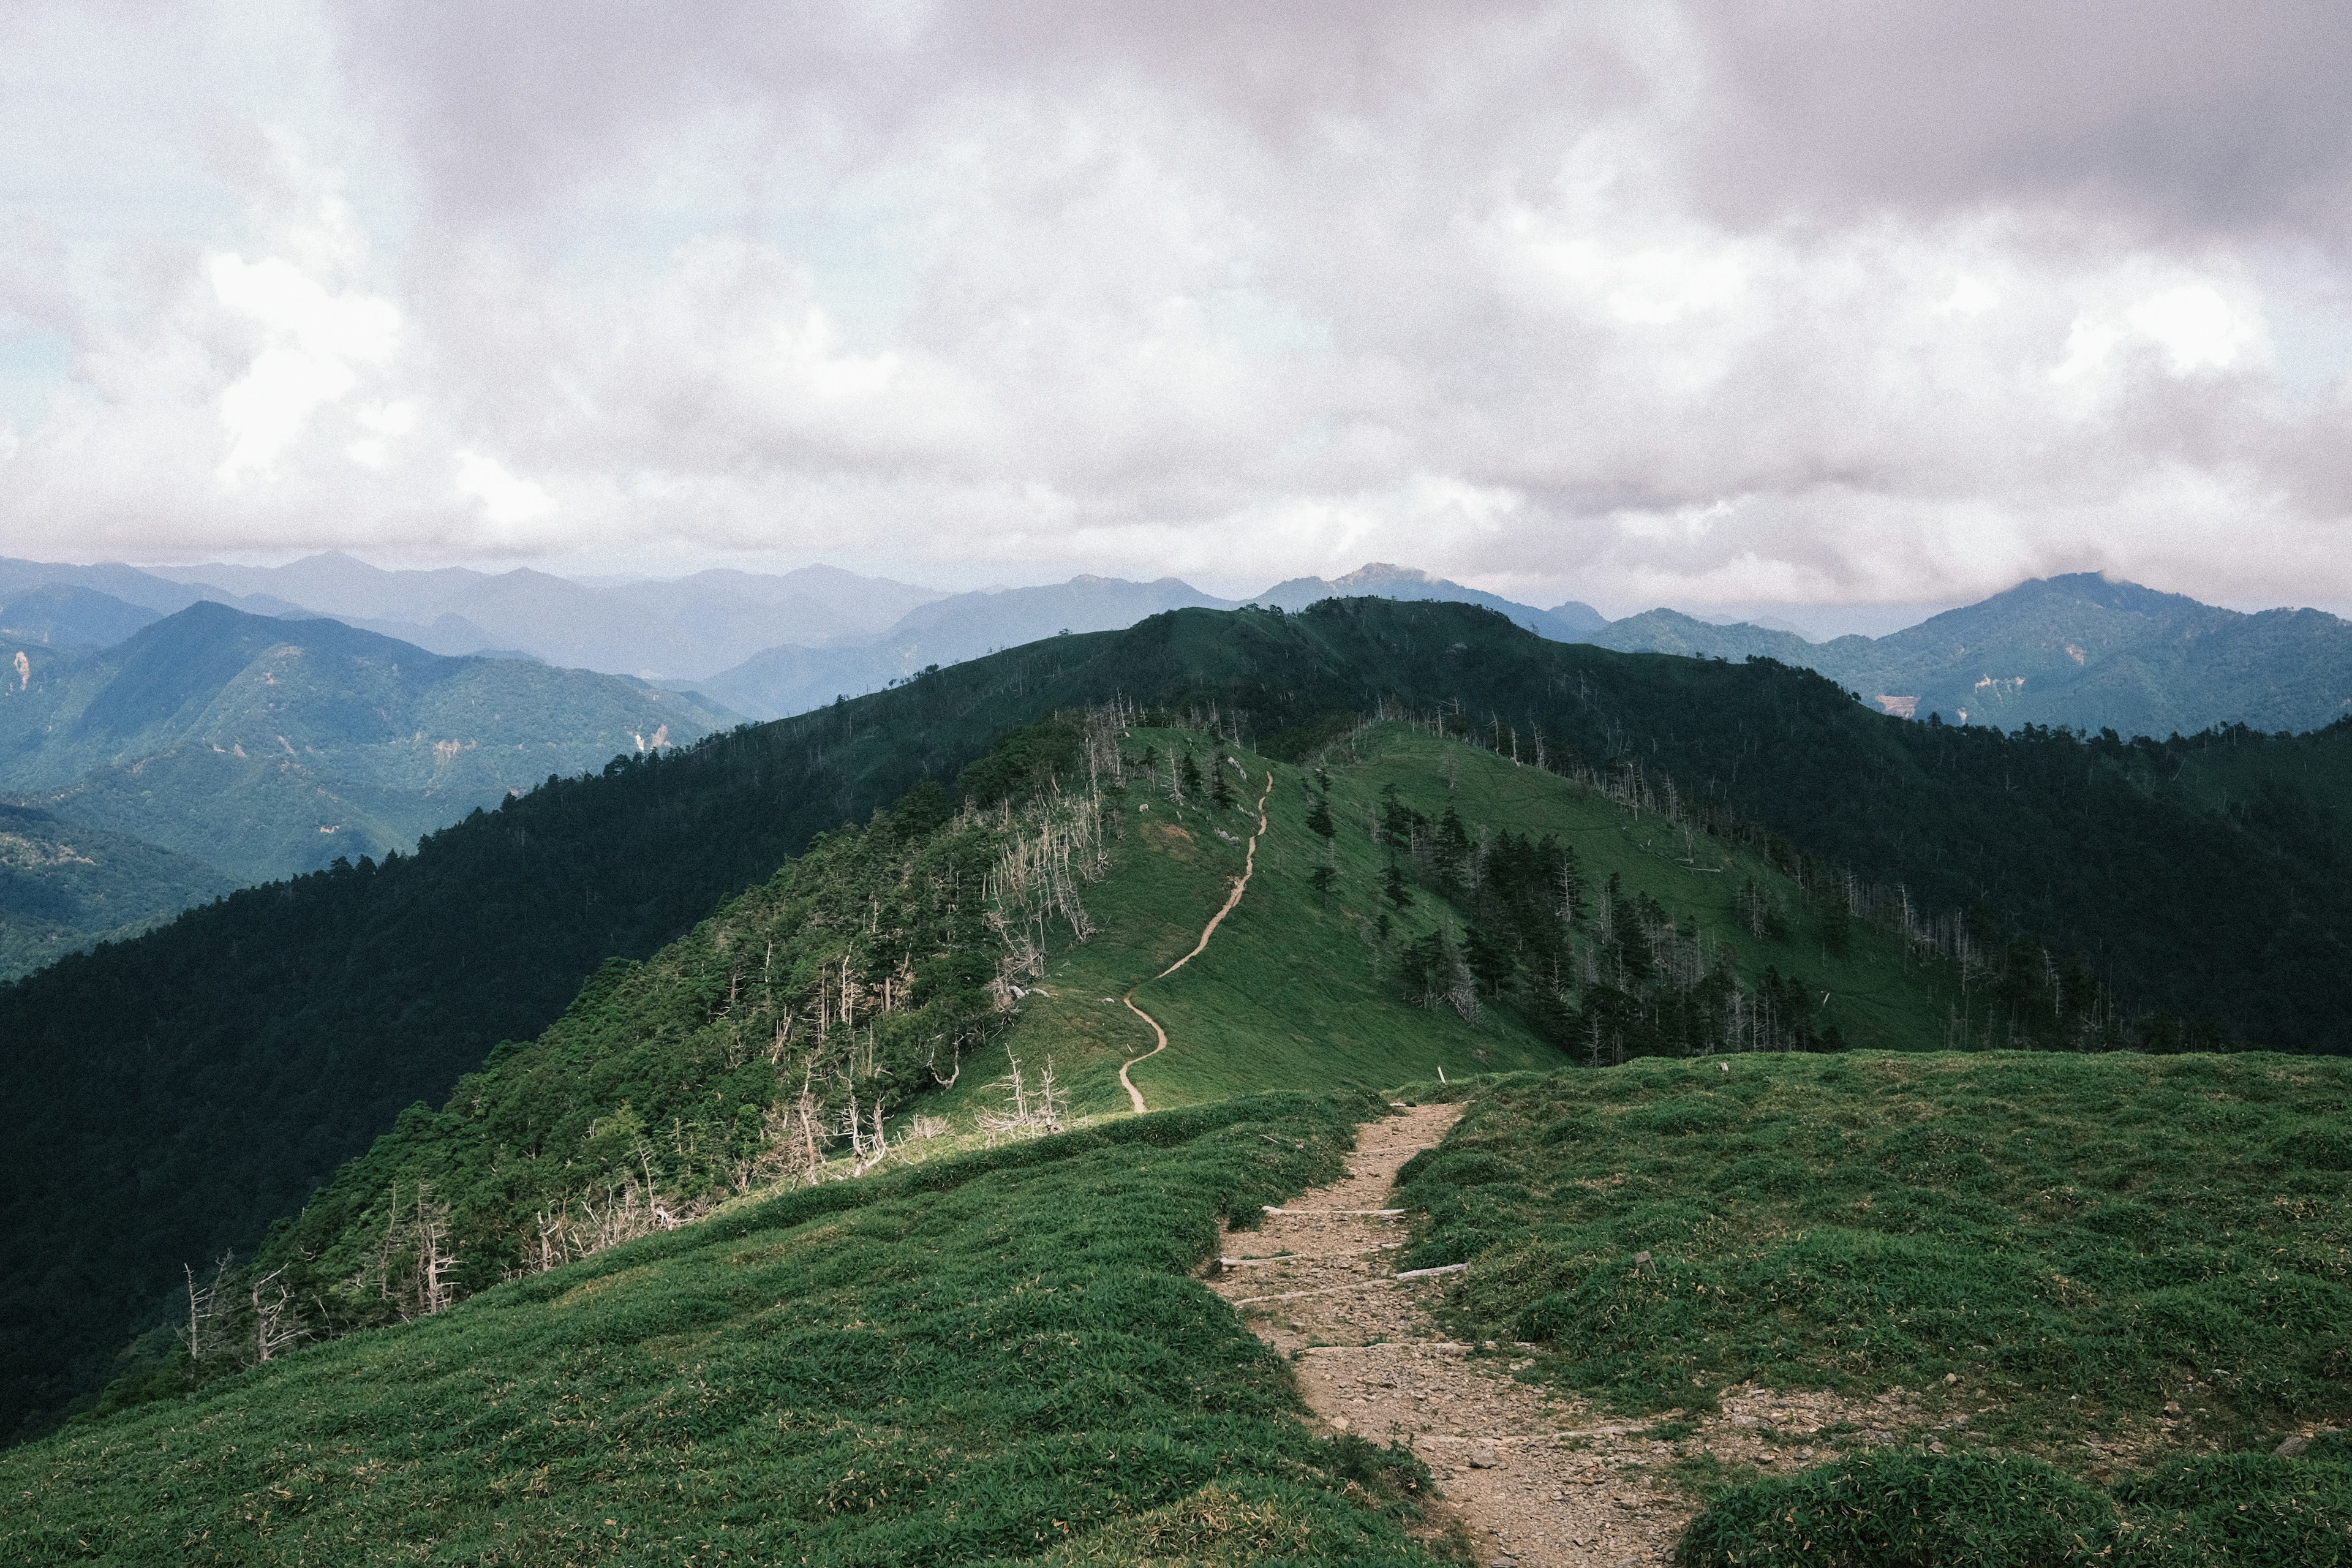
{"points": [[2113, 1284], [995, 1358]]}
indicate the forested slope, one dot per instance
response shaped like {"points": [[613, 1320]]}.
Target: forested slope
{"points": [[179, 1092]]}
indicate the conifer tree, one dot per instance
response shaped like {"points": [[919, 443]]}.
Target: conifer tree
{"points": [[1318, 817], [1393, 887], [1189, 772]]}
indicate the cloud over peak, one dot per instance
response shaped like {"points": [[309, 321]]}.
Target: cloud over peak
{"points": [[1630, 303]]}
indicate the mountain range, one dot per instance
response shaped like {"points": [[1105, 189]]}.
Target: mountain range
{"points": [[625, 964], [212, 747], [2078, 650], [257, 772]]}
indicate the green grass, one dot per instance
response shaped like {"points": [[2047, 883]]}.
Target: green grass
{"points": [[2005, 1510], [2045, 1250], [999, 1357], [2075, 1240]]}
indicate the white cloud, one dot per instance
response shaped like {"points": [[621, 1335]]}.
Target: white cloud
{"points": [[315, 344], [1574, 299], [2195, 326], [505, 501]]}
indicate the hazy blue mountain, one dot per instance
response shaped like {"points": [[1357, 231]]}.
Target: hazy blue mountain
{"points": [[682, 628], [1379, 580], [789, 679], [269, 747], [64, 887], [1576, 616], [146, 590], [1671, 631], [2077, 650], [64, 614]]}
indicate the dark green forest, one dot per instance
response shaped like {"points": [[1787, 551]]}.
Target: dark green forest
{"points": [[177, 1093]]}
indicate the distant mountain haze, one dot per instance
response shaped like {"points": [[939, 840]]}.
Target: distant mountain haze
{"points": [[2076, 650], [785, 681], [65, 615], [681, 628], [1380, 580], [267, 747]]}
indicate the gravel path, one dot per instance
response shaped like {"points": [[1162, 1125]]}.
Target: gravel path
{"points": [[1537, 1480]]}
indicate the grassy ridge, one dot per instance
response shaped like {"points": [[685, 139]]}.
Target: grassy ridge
{"points": [[1292, 993], [1301, 987], [994, 1358]]}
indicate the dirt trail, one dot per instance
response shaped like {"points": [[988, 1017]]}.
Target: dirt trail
{"points": [[1536, 1480], [1241, 885]]}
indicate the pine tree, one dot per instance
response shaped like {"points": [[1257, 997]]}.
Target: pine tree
{"points": [[1222, 791], [1392, 885], [1837, 923], [1490, 960], [1318, 817], [1189, 772]]}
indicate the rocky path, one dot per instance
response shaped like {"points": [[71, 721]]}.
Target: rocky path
{"points": [[1535, 1480]]}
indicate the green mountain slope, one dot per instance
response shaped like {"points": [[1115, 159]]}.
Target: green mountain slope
{"points": [[269, 748], [64, 889], [64, 615], [2077, 650], [884, 990], [996, 1359], [185, 1089]]}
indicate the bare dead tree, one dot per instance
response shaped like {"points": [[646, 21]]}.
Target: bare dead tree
{"points": [[208, 1331], [277, 1325]]}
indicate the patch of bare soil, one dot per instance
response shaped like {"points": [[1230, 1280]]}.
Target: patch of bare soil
{"points": [[1536, 1480]]}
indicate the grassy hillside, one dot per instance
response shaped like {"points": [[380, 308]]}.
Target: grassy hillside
{"points": [[185, 1089], [994, 1359], [878, 992], [2109, 1263], [1304, 986], [64, 889], [269, 748]]}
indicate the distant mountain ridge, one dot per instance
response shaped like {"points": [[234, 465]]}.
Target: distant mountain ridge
{"points": [[778, 682], [1380, 580], [680, 628], [2078, 650], [788, 679], [267, 747]]}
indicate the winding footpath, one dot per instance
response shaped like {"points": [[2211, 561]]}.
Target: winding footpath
{"points": [[1528, 1477], [1241, 885]]}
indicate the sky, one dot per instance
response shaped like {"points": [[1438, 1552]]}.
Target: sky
{"points": [[1726, 304]]}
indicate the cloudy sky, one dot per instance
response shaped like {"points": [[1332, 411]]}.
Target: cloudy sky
{"points": [[1736, 303]]}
